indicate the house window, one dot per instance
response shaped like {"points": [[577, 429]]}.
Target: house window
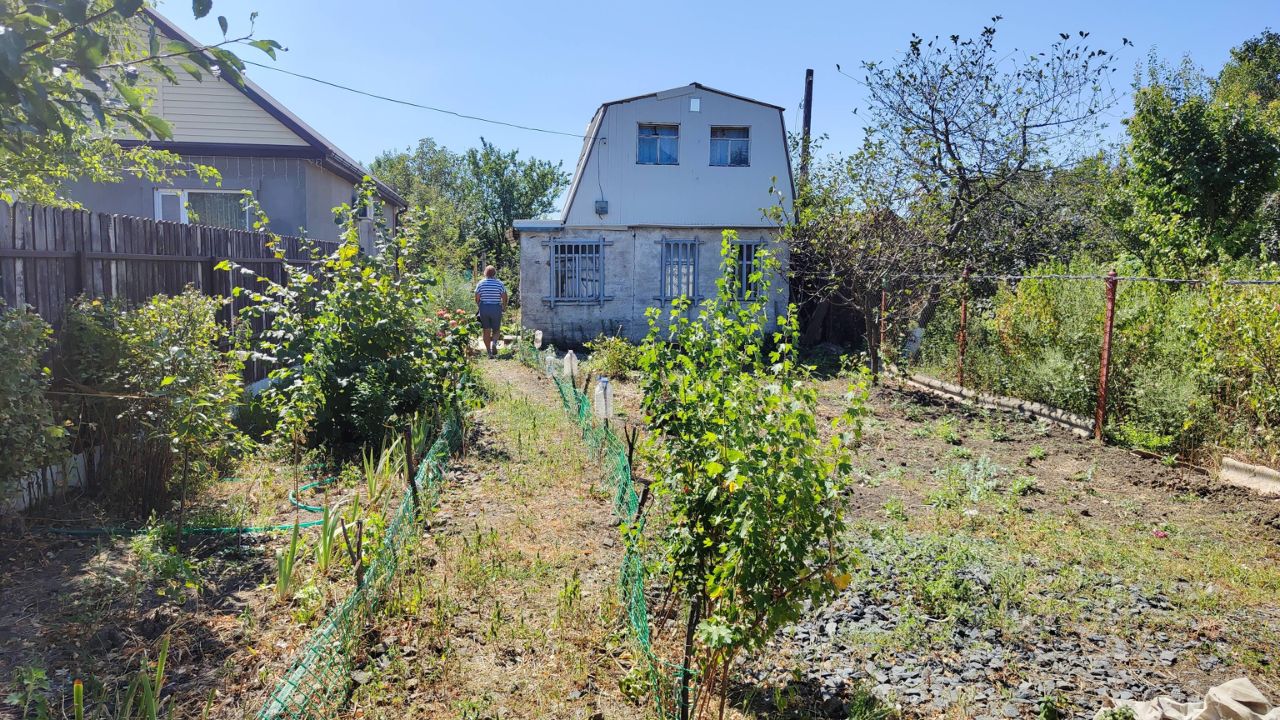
{"points": [[731, 146], [679, 269], [658, 145], [577, 272], [746, 263], [219, 208]]}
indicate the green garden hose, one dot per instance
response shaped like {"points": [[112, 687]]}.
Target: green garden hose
{"points": [[234, 530]]}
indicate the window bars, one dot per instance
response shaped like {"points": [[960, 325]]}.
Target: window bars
{"points": [[577, 272], [679, 269], [744, 267]]}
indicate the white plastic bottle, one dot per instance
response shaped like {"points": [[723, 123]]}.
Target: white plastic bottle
{"points": [[537, 339], [570, 365], [602, 401]]}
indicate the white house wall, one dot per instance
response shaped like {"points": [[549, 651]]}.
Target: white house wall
{"points": [[632, 259], [693, 193]]}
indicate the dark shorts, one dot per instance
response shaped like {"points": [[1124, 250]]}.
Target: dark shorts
{"points": [[490, 317]]}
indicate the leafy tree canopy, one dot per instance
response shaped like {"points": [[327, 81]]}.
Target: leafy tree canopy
{"points": [[474, 197], [74, 72]]}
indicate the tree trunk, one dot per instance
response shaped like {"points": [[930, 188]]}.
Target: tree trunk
{"points": [[690, 629], [182, 498], [814, 330]]}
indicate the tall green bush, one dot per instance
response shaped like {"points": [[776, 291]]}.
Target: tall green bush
{"points": [[357, 348], [28, 434], [755, 528], [155, 390]]}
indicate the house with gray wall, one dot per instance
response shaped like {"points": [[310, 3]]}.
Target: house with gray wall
{"points": [[660, 177], [257, 144]]}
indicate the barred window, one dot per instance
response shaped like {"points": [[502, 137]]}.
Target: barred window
{"points": [[679, 269], [745, 265], [577, 271]]}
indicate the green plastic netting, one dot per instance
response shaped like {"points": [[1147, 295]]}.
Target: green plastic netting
{"points": [[316, 682], [663, 677]]}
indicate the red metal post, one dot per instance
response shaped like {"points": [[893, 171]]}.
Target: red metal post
{"points": [[962, 337], [1108, 321]]}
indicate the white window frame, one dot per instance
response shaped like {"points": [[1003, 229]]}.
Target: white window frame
{"points": [[556, 258], [676, 252], [657, 157], [712, 140], [183, 195]]}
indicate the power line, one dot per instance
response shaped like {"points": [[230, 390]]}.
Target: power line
{"points": [[409, 103]]}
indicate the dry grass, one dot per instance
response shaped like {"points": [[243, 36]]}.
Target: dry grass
{"points": [[509, 607]]}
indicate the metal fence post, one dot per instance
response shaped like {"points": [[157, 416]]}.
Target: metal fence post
{"points": [[962, 336], [884, 312], [1108, 322]]}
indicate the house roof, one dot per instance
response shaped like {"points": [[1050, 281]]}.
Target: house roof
{"points": [[332, 157], [594, 127]]}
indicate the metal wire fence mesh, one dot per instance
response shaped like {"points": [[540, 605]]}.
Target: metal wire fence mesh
{"points": [[316, 682], [663, 677], [1190, 368]]}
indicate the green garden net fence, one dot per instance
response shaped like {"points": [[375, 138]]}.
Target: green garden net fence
{"points": [[663, 677], [316, 683]]}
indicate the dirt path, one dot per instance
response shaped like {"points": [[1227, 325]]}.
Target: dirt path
{"points": [[510, 607]]}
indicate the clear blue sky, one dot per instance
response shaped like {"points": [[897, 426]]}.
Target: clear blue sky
{"points": [[550, 64]]}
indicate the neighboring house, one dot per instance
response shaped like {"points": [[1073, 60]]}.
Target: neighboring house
{"points": [[660, 177], [297, 176]]}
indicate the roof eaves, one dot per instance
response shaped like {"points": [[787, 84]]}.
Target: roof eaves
{"points": [[341, 163]]}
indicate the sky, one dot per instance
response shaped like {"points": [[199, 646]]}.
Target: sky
{"points": [[550, 64]]}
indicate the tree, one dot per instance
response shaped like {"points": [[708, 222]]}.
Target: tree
{"points": [[1252, 72], [433, 180], [75, 71], [501, 189], [471, 199], [754, 531], [1197, 172], [968, 123]]}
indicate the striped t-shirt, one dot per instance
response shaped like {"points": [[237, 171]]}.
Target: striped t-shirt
{"points": [[490, 291]]}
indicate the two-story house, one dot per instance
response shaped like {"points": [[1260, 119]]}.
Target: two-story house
{"points": [[659, 178]]}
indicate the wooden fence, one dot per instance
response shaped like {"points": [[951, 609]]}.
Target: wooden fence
{"points": [[49, 256]]}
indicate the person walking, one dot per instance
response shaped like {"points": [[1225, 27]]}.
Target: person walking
{"points": [[491, 299]]}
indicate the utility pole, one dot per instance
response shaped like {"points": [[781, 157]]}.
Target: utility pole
{"points": [[808, 121]]}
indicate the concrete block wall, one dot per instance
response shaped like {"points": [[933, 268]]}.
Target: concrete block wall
{"points": [[632, 265]]}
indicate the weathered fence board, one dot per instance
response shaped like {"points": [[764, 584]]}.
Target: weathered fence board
{"points": [[49, 256]]}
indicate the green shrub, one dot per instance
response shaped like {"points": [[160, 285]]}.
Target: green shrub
{"points": [[755, 529], [158, 393], [1191, 364], [30, 437], [357, 346], [612, 356]]}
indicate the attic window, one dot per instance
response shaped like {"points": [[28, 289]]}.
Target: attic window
{"points": [[731, 146], [658, 145]]}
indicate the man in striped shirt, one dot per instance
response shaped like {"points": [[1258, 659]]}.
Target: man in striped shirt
{"points": [[491, 298]]}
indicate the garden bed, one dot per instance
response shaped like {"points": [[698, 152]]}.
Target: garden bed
{"points": [[81, 603], [1005, 564]]}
